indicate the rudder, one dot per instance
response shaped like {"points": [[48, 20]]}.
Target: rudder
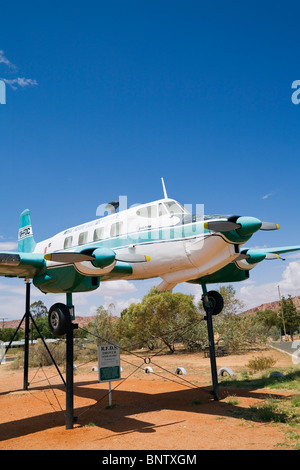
{"points": [[26, 243]]}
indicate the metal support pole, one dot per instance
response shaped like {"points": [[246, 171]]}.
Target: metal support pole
{"points": [[70, 380], [70, 368], [27, 331], [211, 342]]}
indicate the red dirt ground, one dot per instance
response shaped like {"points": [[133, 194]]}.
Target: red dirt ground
{"points": [[149, 412]]}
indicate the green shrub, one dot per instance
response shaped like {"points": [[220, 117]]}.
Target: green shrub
{"points": [[261, 363]]}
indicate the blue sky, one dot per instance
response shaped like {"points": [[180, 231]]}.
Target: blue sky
{"points": [[104, 98]]}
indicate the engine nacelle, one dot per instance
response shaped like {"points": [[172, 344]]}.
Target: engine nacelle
{"points": [[254, 256], [103, 257]]}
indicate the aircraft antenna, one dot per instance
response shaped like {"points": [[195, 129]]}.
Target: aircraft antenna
{"points": [[164, 188]]}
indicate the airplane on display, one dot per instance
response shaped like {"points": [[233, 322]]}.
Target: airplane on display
{"points": [[160, 239]]}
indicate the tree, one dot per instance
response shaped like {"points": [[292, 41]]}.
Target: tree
{"points": [[269, 318], [39, 312], [236, 331], [43, 326], [160, 316], [133, 328], [232, 305], [38, 309], [290, 314], [7, 333], [103, 326]]}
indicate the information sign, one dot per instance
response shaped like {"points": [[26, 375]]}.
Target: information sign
{"points": [[109, 362]]}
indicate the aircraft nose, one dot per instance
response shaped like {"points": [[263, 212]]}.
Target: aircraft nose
{"points": [[249, 225]]}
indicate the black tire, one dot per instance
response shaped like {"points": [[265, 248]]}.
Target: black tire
{"points": [[216, 301], [59, 319]]}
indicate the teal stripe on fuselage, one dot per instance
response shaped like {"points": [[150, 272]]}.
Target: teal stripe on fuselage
{"points": [[162, 234]]}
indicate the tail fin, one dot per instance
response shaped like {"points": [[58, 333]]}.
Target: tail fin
{"points": [[26, 243]]}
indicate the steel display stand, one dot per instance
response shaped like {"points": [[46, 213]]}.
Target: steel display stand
{"points": [[211, 342], [69, 382]]}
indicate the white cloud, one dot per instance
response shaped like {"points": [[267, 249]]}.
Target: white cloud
{"points": [[8, 246], [20, 81], [12, 298], [266, 196], [5, 61], [254, 295], [116, 288], [17, 286], [14, 83], [120, 305]]}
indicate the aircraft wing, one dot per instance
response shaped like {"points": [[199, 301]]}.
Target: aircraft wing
{"points": [[25, 265], [280, 250], [268, 253]]}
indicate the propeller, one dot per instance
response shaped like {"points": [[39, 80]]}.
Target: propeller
{"points": [[246, 225], [221, 225], [68, 257], [132, 258], [269, 226], [255, 256], [71, 257], [272, 256]]}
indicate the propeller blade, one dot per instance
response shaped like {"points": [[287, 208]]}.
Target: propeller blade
{"points": [[68, 257], [255, 256], [272, 256], [269, 226], [221, 225], [242, 256], [132, 258], [71, 257]]}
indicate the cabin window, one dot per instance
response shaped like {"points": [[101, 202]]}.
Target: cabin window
{"points": [[68, 242], [82, 239], [161, 210], [98, 234], [149, 212], [115, 229], [174, 207]]}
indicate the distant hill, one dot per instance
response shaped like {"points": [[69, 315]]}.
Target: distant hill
{"points": [[271, 306], [84, 321]]}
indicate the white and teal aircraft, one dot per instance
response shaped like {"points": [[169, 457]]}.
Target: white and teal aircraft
{"points": [[160, 239]]}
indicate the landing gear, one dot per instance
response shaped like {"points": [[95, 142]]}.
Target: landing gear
{"points": [[59, 319], [216, 302], [213, 305], [60, 322]]}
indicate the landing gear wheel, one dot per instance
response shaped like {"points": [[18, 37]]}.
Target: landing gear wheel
{"points": [[216, 302], [59, 319]]}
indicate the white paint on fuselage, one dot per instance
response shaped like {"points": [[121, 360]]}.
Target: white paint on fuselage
{"points": [[174, 260]]}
